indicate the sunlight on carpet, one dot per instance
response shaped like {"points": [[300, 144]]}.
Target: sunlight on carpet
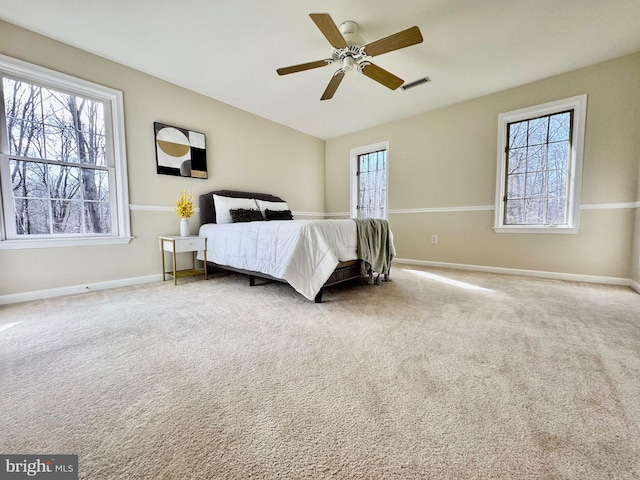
{"points": [[448, 281], [8, 326]]}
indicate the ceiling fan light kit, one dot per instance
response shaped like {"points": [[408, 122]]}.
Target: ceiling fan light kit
{"points": [[349, 30], [350, 50]]}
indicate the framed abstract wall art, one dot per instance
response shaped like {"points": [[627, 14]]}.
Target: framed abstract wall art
{"points": [[180, 151]]}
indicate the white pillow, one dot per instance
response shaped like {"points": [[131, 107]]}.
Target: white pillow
{"points": [[224, 204], [276, 206]]}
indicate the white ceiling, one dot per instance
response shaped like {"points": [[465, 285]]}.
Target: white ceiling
{"points": [[229, 49]]}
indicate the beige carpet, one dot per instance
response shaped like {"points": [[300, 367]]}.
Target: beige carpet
{"points": [[416, 378]]}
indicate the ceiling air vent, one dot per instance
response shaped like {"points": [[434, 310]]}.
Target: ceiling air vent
{"points": [[415, 83]]}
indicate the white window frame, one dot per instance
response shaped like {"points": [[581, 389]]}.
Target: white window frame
{"points": [[114, 125], [354, 153], [574, 182]]}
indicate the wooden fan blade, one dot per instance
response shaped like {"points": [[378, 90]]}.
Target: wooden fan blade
{"points": [[405, 38], [302, 67], [333, 85], [381, 76], [329, 29]]}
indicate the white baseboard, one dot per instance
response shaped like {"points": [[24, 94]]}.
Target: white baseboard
{"points": [[75, 289], [574, 277]]}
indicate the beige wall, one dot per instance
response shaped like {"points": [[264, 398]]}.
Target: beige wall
{"points": [[447, 158], [243, 152]]}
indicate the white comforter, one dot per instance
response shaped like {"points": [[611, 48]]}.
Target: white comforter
{"points": [[302, 252]]}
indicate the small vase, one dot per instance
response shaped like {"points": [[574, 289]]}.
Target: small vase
{"points": [[184, 227]]}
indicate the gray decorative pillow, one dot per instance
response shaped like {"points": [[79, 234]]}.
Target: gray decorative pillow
{"points": [[278, 214], [245, 215]]}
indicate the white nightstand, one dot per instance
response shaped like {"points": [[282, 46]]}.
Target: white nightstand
{"points": [[177, 244]]}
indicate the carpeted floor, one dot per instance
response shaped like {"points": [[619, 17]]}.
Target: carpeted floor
{"points": [[518, 378]]}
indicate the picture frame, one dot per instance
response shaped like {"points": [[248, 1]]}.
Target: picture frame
{"points": [[179, 151]]}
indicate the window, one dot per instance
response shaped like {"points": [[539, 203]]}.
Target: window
{"points": [[539, 167], [369, 181], [62, 160]]}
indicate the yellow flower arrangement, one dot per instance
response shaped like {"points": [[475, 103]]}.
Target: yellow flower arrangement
{"points": [[184, 205]]}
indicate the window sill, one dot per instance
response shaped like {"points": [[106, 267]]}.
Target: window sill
{"points": [[62, 242], [543, 230]]}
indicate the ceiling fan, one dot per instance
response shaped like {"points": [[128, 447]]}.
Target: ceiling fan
{"points": [[349, 49]]}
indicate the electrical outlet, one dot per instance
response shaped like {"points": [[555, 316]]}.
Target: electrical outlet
{"points": [[434, 238]]}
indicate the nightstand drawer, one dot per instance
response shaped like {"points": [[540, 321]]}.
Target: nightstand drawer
{"points": [[189, 244], [185, 244]]}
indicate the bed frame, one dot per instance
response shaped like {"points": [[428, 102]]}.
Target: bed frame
{"points": [[344, 272]]}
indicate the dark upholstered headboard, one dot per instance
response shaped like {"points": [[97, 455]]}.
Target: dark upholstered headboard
{"points": [[208, 209]]}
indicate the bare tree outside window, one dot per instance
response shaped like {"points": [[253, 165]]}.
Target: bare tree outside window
{"points": [[57, 161], [537, 170], [539, 167], [372, 184]]}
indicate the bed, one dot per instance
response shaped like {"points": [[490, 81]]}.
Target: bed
{"points": [[309, 255]]}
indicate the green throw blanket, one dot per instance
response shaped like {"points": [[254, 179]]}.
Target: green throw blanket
{"points": [[374, 243]]}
